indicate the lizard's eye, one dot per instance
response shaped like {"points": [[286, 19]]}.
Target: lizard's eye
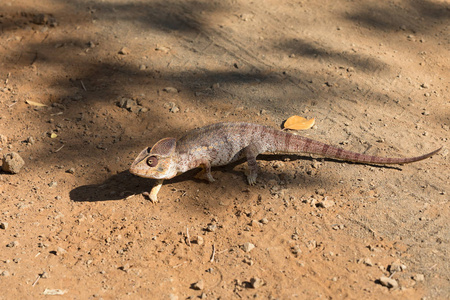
{"points": [[152, 161]]}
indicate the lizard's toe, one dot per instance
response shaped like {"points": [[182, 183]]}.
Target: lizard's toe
{"points": [[251, 180]]}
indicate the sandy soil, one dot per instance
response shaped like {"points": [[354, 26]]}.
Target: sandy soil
{"points": [[117, 75]]}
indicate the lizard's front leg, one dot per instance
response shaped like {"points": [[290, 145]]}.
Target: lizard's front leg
{"points": [[251, 152], [155, 190]]}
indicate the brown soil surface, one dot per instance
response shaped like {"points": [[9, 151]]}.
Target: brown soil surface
{"points": [[374, 74]]}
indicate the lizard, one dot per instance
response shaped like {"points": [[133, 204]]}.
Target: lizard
{"points": [[223, 143]]}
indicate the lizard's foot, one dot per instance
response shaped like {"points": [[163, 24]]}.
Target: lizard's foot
{"points": [[154, 192], [209, 177], [153, 198], [251, 179]]}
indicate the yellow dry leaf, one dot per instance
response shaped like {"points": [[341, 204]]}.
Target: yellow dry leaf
{"points": [[34, 103], [53, 135], [298, 123]]}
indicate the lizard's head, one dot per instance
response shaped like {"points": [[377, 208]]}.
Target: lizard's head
{"points": [[157, 162]]}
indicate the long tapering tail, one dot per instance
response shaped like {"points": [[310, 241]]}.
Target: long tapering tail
{"points": [[297, 144]]}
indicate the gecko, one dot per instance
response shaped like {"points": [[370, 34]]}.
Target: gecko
{"points": [[223, 143]]}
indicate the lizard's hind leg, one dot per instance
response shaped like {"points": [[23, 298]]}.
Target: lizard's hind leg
{"points": [[206, 169], [251, 152]]}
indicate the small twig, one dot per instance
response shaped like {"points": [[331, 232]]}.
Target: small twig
{"points": [[82, 84], [14, 103], [39, 253], [188, 238], [57, 150], [213, 253], [179, 265], [37, 279], [393, 274], [220, 252]]}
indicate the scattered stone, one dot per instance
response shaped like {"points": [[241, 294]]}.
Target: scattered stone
{"points": [[368, 262], [247, 247], [264, 221], [4, 225], [12, 163], [199, 285], [4, 273], [173, 297], [248, 261], [170, 90], [124, 51], [30, 140], [211, 227], [60, 251], [142, 67], [3, 140], [12, 244], [419, 277], [424, 86], [296, 250], [388, 282], [173, 108], [53, 184], [70, 171], [198, 240], [125, 268], [45, 275], [129, 104], [325, 203], [256, 282], [396, 266], [162, 49]]}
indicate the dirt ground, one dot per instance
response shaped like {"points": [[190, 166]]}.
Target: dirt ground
{"points": [[118, 75]]}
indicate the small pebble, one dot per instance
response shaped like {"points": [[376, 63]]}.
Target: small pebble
{"points": [[247, 247], [12, 244], [52, 184], [419, 277], [388, 282], [211, 227], [256, 282], [173, 297], [30, 140], [124, 51], [125, 267], [70, 171], [199, 285], [264, 221], [170, 90], [396, 266], [4, 273], [3, 140], [61, 251], [368, 262], [325, 203], [198, 240], [4, 225], [12, 163]]}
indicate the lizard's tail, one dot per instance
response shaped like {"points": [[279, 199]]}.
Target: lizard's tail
{"points": [[298, 144]]}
